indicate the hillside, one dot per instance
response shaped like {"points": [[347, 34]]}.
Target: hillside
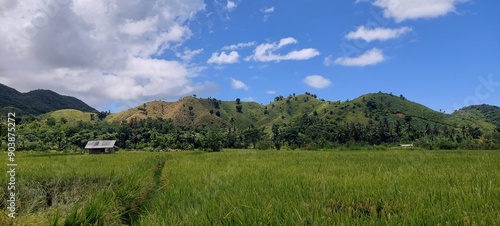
{"points": [[38, 102], [487, 113], [196, 112], [295, 121], [367, 109], [71, 115]]}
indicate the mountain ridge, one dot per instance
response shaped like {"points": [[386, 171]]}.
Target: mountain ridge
{"points": [[210, 112], [37, 102], [366, 109]]}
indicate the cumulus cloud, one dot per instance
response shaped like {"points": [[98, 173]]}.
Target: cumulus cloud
{"points": [[98, 50], [381, 34], [317, 81], [188, 54], [237, 84], [402, 10], [370, 57], [224, 58], [266, 52], [238, 46]]}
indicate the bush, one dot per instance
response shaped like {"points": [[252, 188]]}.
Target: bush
{"points": [[263, 145], [312, 146], [213, 141]]}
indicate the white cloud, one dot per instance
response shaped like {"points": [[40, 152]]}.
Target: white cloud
{"points": [[329, 61], [138, 28], [266, 52], [98, 50], [317, 81], [370, 57], [267, 10], [271, 92], [237, 84], [231, 5], [188, 54], [402, 10], [249, 99], [378, 33], [224, 58], [238, 46]]}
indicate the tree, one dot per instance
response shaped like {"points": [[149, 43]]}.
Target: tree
{"points": [[252, 135], [277, 137], [103, 114], [239, 108], [371, 105], [213, 141], [238, 100], [51, 121], [215, 103]]}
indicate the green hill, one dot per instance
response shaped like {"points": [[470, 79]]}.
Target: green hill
{"points": [[38, 102], [196, 112], [71, 115], [480, 113], [365, 110], [295, 121]]}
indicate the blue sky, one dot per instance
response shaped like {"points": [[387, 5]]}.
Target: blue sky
{"points": [[441, 53]]}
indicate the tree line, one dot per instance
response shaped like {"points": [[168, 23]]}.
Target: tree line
{"points": [[308, 132]]}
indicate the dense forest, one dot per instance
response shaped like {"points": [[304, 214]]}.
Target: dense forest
{"points": [[37, 102], [294, 122]]}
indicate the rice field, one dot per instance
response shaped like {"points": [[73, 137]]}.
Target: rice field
{"points": [[248, 187]]}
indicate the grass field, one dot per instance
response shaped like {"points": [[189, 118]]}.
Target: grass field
{"points": [[261, 187]]}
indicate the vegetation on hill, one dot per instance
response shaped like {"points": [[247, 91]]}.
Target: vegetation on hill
{"points": [[297, 121], [487, 113], [37, 102]]}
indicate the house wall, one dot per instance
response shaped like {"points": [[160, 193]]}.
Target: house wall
{"points": [[96, 151]]}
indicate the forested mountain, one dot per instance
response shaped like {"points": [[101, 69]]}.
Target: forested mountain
{"points": [[365, 110], [296, 121], [484, 112], [38, 102]]}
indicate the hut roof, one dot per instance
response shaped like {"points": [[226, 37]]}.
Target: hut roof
{"points": [[92, 144]]}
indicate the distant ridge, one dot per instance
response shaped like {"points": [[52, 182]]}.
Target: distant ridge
{"points": [[489, 113], [38, 102], [368, 109]]}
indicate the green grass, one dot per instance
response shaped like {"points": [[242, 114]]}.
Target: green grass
{"points": [[329, 188], [234, 187], [71, 115], [81, 189]]}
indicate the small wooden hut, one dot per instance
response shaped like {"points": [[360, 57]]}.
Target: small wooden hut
{"points": [[101, 146]]}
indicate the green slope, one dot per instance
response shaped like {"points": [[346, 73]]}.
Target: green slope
{"points": [[38, 102], [70, 115], [367, 109]]}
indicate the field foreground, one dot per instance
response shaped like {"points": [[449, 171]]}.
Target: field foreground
{"points": [[259, 187]]}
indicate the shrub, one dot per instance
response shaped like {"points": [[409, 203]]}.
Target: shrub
{"points": [[264, 145]]}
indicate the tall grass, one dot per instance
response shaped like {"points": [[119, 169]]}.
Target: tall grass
{"points": [[82, 189], [387, 187], [329, 188]]}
